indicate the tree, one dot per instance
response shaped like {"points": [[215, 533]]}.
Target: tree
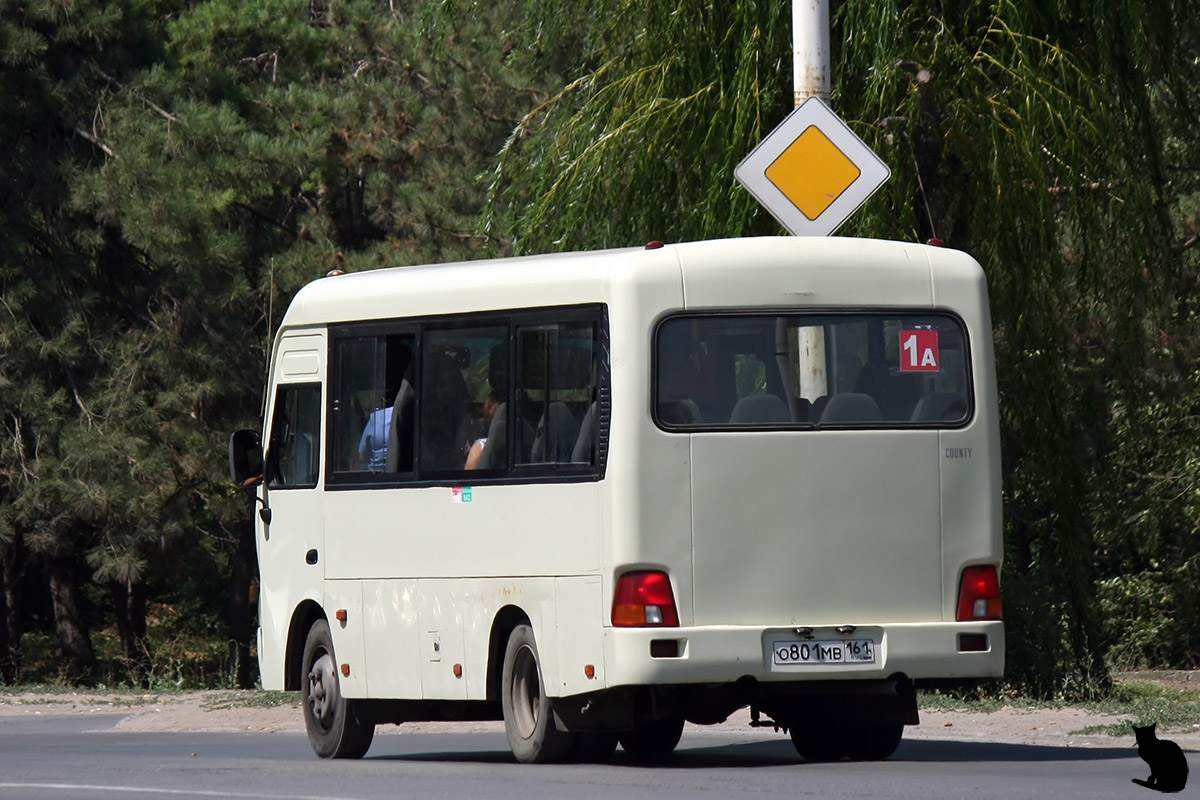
{"points": [[60, 297], [1030, 134], [229, 155]]}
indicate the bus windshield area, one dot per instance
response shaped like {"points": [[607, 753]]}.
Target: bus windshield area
{"points": [[809, 371]]}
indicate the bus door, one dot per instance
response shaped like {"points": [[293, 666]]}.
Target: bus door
{"points": [[291, 536]]}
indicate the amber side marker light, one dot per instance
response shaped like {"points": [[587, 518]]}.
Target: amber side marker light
{"points": [[644, 600], [979, 594]]}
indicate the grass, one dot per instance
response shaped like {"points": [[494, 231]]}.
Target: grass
{"points": [[126, 697], [249, 698], [1174, 708]]}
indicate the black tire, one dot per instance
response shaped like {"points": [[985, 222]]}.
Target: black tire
{"points": [[653, 740], [819, 744], [875, 742], [528, 718], [334, 727]]}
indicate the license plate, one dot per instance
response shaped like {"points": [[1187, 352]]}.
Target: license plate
{"points": [[841, 651]]}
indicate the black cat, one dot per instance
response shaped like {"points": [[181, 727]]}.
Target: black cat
{"points": [[1168, 766]]}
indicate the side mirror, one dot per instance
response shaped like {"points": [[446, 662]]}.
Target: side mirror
{"points": [[245, 458]]}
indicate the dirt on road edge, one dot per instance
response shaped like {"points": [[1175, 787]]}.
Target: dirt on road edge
{"points": [[255, 712]]}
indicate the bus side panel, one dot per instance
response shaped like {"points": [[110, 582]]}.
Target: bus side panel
{"points": [[454, 626], [392, 650], [502, 531], [440, 610], [970, 457], [346, 596], [414, 545], [648, 501], [417, 631], [579, 632]]}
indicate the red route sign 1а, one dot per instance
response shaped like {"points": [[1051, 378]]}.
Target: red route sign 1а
{"points": [[919, 351]]}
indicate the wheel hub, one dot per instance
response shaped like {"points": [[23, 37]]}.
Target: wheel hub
{"points": [[526, 692], [322, 689]]}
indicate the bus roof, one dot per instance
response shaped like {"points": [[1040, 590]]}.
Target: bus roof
{"points": [[764, 272]]}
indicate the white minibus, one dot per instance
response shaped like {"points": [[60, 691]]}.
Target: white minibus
{"points": [[596, 495]]}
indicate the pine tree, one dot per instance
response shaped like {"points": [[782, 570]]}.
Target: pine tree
{"points": [[231, 153], [58, 302]]}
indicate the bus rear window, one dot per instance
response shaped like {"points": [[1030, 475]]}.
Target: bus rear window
{"points": [[870, 369]]}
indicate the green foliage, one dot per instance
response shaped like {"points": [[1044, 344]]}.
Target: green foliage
{"points": [[1055, 142], [174, 172], [186, 168], [643, 144], [1173, 708], [1148, 543]]}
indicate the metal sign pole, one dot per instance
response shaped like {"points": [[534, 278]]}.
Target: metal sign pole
{"points": [[810, 50], [810, 76]]}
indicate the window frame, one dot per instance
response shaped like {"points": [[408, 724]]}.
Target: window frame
{"points": [[510, 473], [336, 335], [271, 456], [860, 312]]}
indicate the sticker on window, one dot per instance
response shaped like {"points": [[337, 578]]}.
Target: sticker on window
{"points": [[918, 351], [460, 494]]}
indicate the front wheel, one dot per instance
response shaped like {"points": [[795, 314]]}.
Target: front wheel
{"points": [[528, 720], [334, 728]]}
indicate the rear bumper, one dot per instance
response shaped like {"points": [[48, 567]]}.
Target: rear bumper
{"points": [[722, 654]]}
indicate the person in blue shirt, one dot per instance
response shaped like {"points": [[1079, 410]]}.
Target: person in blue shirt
{"points": [[374, 442]]}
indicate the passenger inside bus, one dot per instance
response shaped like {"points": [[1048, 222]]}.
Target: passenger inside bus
{"points": [[399, 456], [372, 446], [495, 455], [490, 405]]}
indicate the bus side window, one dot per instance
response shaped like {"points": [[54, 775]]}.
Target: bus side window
{"points": [[369, 374], [293, 457], [358, 404], [459, 367], [676, 376], [557, 377]]}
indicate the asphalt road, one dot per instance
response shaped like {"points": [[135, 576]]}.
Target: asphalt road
{"points": [[73, 756]]}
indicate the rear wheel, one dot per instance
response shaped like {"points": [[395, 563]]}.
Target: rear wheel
{"points": [[334, 728], [528, 719], [818, 743], [875, 742], [652, 740]]}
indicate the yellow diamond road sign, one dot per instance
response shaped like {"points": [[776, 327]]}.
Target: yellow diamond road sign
{"points": [[812, 172]]}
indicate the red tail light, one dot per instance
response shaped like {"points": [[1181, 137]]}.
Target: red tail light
{"points": [[979, 594], [644, 599]]}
